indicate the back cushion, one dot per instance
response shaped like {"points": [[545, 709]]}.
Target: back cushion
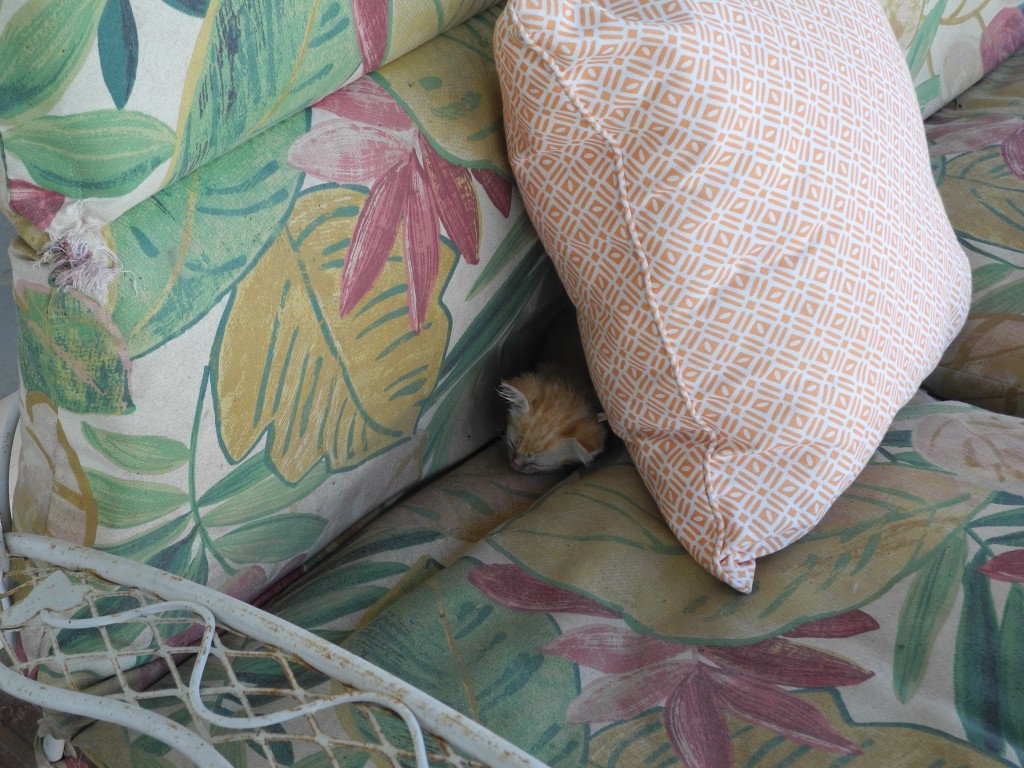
{"points": [[737, 195], [947, 48], [102, 106]]}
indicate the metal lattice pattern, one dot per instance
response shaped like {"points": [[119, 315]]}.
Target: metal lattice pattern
{"points": [[255, 703]]}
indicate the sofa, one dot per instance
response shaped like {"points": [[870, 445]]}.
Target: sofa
{"points": [[272, 263]]}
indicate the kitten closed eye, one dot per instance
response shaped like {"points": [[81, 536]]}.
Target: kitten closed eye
{"points": [[554, 418]]}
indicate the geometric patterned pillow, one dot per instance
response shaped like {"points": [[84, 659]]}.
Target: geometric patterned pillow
{"points": [[738, 197]]}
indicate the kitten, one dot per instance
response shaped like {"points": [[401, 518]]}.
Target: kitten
{"points": [[553, 414]]}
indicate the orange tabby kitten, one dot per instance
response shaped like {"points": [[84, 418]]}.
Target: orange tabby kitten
{"points": [[553, 415]]}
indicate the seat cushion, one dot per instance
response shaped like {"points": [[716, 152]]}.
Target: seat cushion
{"points": [[579, 629]]}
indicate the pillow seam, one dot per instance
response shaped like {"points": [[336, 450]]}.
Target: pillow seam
{"points": [[711, 491]]}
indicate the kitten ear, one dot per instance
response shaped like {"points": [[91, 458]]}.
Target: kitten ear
{"points": [[582, 454], [516, 400]]}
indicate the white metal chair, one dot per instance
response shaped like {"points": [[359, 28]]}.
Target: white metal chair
{"points": [[54, 591]]}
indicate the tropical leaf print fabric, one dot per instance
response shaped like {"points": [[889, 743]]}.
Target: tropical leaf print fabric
{"points": [[950, 45], [892, 630], [180, 82], [141, 92], [303, 328], [311, 322], [977, 148]]}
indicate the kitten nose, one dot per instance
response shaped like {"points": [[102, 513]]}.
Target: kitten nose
{"points": [[517, 464]]}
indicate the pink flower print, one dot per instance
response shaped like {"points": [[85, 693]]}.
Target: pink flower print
{"points": [[36, 204], [371, 23], [1013, 153], [497, 187], [1003, 36], [1008, 566], [697, 685], [371, 141], [846, 624], [952, 136], [514, 588]]}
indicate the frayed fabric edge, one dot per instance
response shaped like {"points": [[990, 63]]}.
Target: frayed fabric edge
{"points": [[80, 259]]}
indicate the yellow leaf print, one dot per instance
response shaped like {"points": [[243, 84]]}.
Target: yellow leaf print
{"points": [[52, 496], [458, 108], [343, 389]]}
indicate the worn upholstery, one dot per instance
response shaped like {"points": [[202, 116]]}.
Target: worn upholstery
{"points": [[559, 611]]}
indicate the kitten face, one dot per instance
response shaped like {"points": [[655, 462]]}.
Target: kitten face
{"points": [[550, 424]]}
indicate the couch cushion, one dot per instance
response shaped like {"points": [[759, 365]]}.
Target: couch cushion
{"points": [[129, 102], [977, 151], [894, 629], [948, 49], [293, 342], [749, 228]]}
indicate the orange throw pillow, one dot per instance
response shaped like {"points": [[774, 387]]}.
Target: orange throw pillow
{"points": [[738, 198]]}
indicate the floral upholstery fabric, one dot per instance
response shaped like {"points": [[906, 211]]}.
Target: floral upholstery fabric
{"points": [[977, 147], [894, 628], [950, 45], [177, 82], [181, 82], [296, 337]]}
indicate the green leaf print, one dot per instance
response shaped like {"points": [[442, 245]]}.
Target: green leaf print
{"points": [[1007, 299], [975, 665], [345, 757], [141, 454], [81, 641], [252, 490], [343, 389], [185, 559], [831, 570], [989, 275], [129, 503], [1011, 670], [271, 539], [195, 8], [256, 63], [78, 358], [928, 91], [149, 545], [925, 609], [982, 196], [917, 55], [458, 109], [448, 639], [119, 53], [75, 156], [194, 240], [339, 592], [389, 541], [34, 72]]}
